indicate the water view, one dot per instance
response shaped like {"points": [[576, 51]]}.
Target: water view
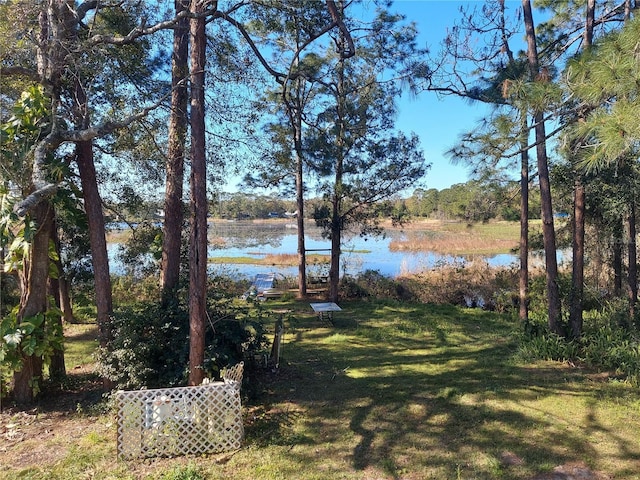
{"points": [[255, 240]]}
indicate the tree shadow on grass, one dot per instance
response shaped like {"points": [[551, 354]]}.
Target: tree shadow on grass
{"points": [[438, 395]]}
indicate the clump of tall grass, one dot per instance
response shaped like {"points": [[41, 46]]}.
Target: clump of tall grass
{"points": [[291, 259], [467, 284], [471, 284]]}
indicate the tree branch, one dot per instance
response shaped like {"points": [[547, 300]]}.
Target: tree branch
{"points": [[42, 188], [22, 71], [333, 11], [278, 76], [45, 189], [107, 127], [141, 30]]}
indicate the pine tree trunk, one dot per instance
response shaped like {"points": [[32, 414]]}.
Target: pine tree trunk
{"points": [[336, 201], [173, 206], [63, 299], [617, 257], [577, 276], [198, 237], [633, 263], [98, 241], [95, 220], [302, 252], [548, 229], [57, 368], [524, 239], [334, 268]]}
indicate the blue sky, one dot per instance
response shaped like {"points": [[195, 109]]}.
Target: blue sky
{"points": [[438, 121]]}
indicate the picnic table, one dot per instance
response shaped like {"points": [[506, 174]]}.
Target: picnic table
{"points": [[325, 310]]}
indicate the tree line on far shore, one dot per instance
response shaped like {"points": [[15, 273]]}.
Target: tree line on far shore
{"points": [[472, 201]]}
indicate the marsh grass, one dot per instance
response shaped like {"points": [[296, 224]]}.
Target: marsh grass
{"points": [[400, 391], [457, 238]]}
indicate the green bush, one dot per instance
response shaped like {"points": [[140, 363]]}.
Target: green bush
{"points": [[607, 343], [610, 343], [548, 346], [39, 335], [372, 283], [151, 344], [350, 287], [150, 347], [236, 333]]}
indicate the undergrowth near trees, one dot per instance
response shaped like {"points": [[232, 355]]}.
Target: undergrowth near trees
{"points": [[151, 342], [471, 284], [608, 343]]}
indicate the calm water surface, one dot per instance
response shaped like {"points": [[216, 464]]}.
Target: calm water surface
{"points": [[236, 239], [248, 239]]}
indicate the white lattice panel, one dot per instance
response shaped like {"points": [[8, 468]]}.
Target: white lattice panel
{"points": [[181, 420]]}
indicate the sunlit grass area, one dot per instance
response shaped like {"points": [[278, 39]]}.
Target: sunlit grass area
{"points": [[80, 345], [392, 391]]}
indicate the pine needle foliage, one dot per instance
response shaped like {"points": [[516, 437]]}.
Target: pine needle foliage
{"points": [[605, 80]]}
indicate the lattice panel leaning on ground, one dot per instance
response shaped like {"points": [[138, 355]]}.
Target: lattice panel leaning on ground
{"points": [[182, 420]]}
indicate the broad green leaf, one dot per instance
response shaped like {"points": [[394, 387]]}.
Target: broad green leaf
{"points": [[14, 339]]}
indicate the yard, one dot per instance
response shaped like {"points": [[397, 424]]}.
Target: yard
{"points": [[392, 391]]}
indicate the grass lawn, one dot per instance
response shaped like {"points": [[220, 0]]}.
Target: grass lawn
{"points": [[392, 391]]}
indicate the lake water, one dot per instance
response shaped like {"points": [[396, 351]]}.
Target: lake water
{"points": [[243, 239]]}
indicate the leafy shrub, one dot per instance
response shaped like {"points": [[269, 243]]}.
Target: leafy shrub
{"points": [[371, 283], [610, 343], [150, 347], [548, 346], [236, 332], [39, 335], [607, 344], [350, 287], [151, 344]]}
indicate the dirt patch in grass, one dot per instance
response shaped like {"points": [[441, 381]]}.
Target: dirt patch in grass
{"points": [[572, 471], [44, 433], [41, 438]]}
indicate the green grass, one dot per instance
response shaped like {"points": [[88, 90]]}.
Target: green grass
{"points": [[400, 391], [80, 345], [271, 259]]}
